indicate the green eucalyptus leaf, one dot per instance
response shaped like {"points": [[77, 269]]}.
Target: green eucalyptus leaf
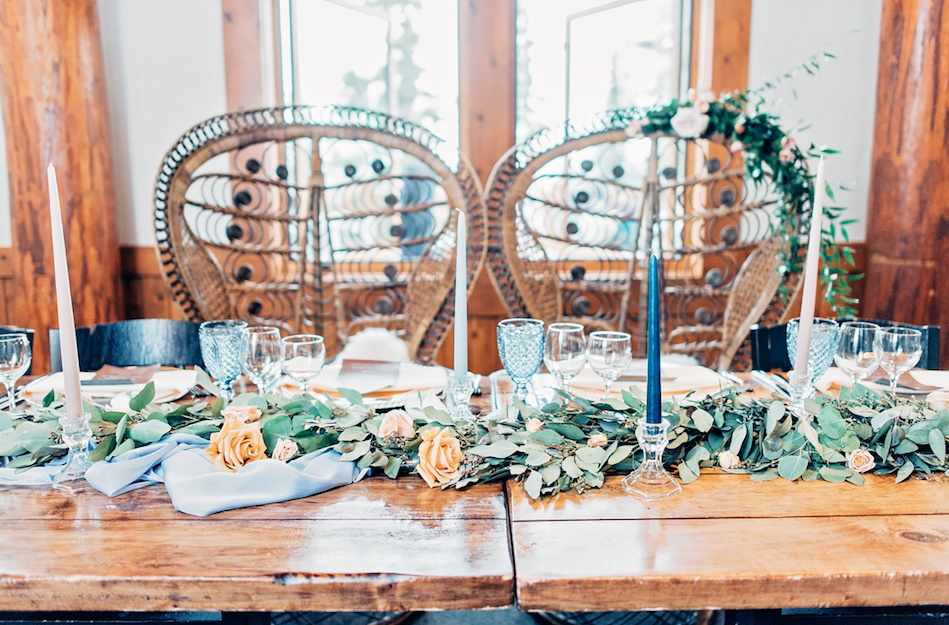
{"points": [[498, 449], [533, 484], [702, 420], [764, 476], [148, 432], [622, 452], [128, 445], [276, 428], [120, 429], [569, 466], [355, 433], [833, 473], [567, 430], [906, 446], [393, 464], [353, 397], [6, 421], [103, 449], [550, 474], [775, 412], [792, 467], [251, 399], [937, 442], [144, 397], [831, 423], [738, 439], [686, 474], [904, 471], [547, 436], [537, 458], [359, 450], [517, 469], [591, 455]]}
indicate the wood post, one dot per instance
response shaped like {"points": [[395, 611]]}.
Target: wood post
{"points": [[908, 214], [486, 97], [54, 111]]}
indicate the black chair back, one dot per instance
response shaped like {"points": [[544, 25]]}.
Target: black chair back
{"points": [[132, 343], [29, 337], [769, 347]]}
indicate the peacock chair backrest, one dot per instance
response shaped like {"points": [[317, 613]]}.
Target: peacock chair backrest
{"points": [[318, 220], [574, 211]]}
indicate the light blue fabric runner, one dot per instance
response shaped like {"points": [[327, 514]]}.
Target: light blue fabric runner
{"points": [[196, 486]]}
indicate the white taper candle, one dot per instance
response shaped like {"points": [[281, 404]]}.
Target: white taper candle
{"points": [[461, 299], [811, 275], [67, 324]]}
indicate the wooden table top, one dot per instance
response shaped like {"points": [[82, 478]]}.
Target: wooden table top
{"points": [[728, 542], [375, 545]]}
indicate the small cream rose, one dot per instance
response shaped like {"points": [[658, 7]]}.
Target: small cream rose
{"points": [[689, 122], [396, 423], [737, 146], [597, 440], [728, 460], [534, 424], [284, 450], [939, 400], [236, 444], [439, 457], [244, 414], [860, 460]]}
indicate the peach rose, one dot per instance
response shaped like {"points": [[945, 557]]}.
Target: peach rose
{"points": [[534, 424], [728, 460], [439, 457], [284, 450], [396, 423], [244, 414], [597, 440], [739, 127], [236, 444], [939, 400], [860, 460]]}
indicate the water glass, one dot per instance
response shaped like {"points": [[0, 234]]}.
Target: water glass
{"points": [[609, 354], [15, 358], [565, 351], [855, 354], [823, 346], [898, 350], [224, 350], [521, 347], [262, 365], [303, 358]]}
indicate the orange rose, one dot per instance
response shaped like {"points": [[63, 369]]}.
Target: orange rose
{"points": [[439, 457], [236, 444], [396, 423], [244, 414]]}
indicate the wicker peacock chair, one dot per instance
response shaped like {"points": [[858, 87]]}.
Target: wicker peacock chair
{"points": [[573, 211], [322, 220]]}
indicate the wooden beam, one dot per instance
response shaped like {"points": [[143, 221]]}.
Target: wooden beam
{"points": [[486, 100], [242, 55], [54, 111], [908, 212]]}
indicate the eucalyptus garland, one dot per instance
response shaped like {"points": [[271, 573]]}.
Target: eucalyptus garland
{"points": [[737, 120], [560, 447]]}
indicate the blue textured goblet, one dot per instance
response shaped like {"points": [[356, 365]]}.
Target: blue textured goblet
{"points": [[224, 349], [823, 347], [521, 347]]}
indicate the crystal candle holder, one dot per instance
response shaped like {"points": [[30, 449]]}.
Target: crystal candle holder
{"points": [[76, 435], [651, 480], [800, 389], [460, 389]]}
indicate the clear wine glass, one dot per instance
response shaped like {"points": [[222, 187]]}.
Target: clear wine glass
{"points": [[898, 350], [15, 358], [224, 350], [855, 354], [303, 358], [521, 347], [262, 365], [609, 353], [565, 351]]}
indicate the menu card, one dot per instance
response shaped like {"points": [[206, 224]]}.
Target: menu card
{"points": [[367, 376], [112, 376]]}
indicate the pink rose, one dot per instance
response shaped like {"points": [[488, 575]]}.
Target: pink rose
{"points": [[597, 440], [243, 414], [534, 424], [396, 423]]}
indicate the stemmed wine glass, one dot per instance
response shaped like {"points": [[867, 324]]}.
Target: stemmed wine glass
{"points": [[898, 350], [855, 354], [15, 358], [303, 358], [609, 354], [262, 365], [565, 351], [521, 347], [224, 349]]}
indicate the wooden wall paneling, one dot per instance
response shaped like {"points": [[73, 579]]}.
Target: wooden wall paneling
{"points": [[54, 110], [6, 287], [486, 100], [147, 296], [908, 212], [243, 66]]}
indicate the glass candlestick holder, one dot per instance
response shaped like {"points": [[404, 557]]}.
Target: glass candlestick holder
{"points": [[460, 389], [651, 480], [800, 389], [76, 435]]}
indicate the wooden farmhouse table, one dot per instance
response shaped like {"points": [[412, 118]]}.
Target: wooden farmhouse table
{"points": [[724, 542]]}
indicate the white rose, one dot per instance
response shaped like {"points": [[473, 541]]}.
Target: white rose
{"points": [[728, 460], [534, 424], [860, 460], [597, 440], [939, 400], [284, 450], [689, 122]]}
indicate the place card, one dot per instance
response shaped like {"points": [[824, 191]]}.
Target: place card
{"points": [[110, 375], [367, 376]]}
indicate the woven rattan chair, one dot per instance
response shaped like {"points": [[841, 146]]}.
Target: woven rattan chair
{"points": [[574, 210], [317, 220]]}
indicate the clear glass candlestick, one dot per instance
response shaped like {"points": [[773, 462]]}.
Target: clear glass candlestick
{"points": [[800, 388], [76, 435], [651, 480], [460, 389]]}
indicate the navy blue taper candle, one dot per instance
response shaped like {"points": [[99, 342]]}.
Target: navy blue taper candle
{"points": [[653, 379]]}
